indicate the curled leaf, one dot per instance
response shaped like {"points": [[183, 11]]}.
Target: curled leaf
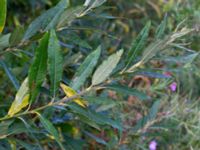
{"points": [[70, 92]]}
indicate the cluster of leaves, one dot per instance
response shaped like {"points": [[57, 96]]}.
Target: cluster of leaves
{"points": [[68, 100]]}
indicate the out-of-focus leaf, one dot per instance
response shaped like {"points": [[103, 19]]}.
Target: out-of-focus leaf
{"points": [[55, 62], [16, 36], [106, 68], [138, 44], [3, 9], [130, 91], [158, 45], [69, 15], [51, 129], [70, 92], [38, 69], [75, 39], [5, 145], [97, 139], [94, 3], [47, 20], [4, 128], [94, 116], [4, 41], [21, 99], [161, 29], [86, 69], [151, 116], [10, 75]]}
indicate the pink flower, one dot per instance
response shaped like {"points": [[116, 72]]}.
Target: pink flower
{"points": [[152, 145], [173, 86]]}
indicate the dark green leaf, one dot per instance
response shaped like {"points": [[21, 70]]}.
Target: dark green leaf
{"points": [[86, 69], [55, 62], [47, 20], [51, 129], [38, 69], [138, 44], [94, 116]]}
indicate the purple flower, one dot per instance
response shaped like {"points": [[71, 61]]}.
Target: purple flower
{"points": [[152, 145], [173, 86]]}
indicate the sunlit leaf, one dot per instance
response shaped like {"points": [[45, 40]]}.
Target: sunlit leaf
{"points": [[70, 92], [106, 68], [21, 99]]}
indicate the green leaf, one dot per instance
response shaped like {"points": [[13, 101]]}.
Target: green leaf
{"points": [[106, 68], [47, 20], [129, 91], [159, 44], [51, 129], [21, 99], [4, 128], [94, 3], [70, 15], [16, 36], [161, 29], [38, 69], [3, 9], [86, 69], [55, 62], [138, 44], [94, 116], [10, 75], [4, 41]]}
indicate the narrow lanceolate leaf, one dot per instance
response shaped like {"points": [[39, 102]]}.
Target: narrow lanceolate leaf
{"points": [[106, 68], [55, 62], [47, 20], [21, 99], [94, 3], [70, 92], [10, 75], [161, 29], [3, 8], [138, 44], [38, 69], [86, 69], [51, 129], [129, 91]]}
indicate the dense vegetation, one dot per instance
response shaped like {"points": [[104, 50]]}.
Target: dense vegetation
{"points": [[97, 74]]}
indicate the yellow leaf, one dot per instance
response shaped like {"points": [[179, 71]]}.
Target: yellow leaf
{"points": [[70, 92], [21, 99]]}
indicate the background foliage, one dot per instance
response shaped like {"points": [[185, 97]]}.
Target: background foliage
{"points": [[99, 75]]}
